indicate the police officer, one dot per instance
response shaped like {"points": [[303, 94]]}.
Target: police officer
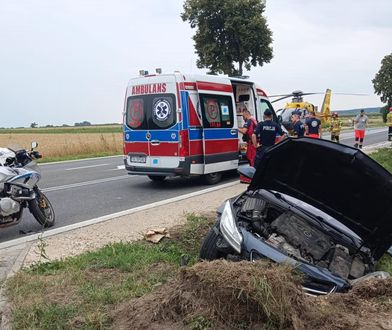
{"points": [[298, 126], [389, 124], [265, 135]]}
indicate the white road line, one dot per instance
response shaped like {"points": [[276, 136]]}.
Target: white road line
{"points": [[120, 167], [79, 160], [82, 224], [86, 183], [82, 167]]}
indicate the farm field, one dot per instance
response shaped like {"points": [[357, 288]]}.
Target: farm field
{"points": [[62, 143]]}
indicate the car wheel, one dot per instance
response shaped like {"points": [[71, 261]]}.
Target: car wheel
{"points": [[209, 249], [157, 178], [212, 178]]}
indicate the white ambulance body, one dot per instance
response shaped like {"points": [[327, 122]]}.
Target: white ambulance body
{"points": [[181, 125]]}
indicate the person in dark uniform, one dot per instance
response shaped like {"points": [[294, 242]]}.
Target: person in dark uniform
{"points": [[298, 126], [265, 135], [313, 126]]}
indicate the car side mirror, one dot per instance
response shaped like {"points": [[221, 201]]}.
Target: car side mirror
{"points": [[34, 145], [247, 171]]}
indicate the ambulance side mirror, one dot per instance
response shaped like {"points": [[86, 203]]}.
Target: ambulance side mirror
{"points": [[247, 171]]}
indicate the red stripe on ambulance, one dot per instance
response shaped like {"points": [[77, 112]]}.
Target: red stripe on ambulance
{"points": [[136, 147], [216, 87], [217, 147], [168, 149]]}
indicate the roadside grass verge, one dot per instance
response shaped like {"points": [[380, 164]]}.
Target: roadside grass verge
{"points": [[63, 146], [384, 157], [80, 292]]}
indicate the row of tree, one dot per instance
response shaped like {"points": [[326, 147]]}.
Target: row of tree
{"points": [[83, 123]]}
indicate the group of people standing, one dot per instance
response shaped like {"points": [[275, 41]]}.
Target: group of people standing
{"points": [[260, 136]]}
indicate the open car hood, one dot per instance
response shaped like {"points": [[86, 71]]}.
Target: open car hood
{"points": [[339, 180]]}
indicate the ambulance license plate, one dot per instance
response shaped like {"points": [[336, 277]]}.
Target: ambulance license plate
{"points": [[138, 159]]}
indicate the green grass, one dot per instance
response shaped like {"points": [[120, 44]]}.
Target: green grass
{"points": [[64, 130], [383, 157], [385, 264], [81, 291]]}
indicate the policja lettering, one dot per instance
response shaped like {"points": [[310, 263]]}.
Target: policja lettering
{"points": [[269, 128]]}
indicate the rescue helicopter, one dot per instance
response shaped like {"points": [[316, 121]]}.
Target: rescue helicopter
{"points": [[302, 107]]}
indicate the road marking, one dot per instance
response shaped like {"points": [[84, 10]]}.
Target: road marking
{"points": [[119, 167], [86, 183], [90, 222], [82, 167], [79, 160]]}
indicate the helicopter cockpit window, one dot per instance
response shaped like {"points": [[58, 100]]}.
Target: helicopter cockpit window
{"points": [[264, 105]]}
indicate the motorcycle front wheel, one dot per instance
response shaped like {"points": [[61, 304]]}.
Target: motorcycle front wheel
{"points": [[42, 209]]}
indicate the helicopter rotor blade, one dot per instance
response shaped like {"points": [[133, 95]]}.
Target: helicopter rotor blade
{"points": [[355, 94], [281, 98]]}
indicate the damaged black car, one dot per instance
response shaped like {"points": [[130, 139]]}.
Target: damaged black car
{"points": [[322, 207]]}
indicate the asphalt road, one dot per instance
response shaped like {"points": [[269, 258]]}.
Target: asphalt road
{"points": [[83, 190]]}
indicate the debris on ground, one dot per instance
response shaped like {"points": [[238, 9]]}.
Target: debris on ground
{"points": [[155, 235]]}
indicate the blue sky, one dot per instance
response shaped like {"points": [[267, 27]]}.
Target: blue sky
{"points": [[65, 61]]}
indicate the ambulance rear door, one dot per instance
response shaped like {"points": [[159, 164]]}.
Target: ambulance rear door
{"points": [[152, 124]]}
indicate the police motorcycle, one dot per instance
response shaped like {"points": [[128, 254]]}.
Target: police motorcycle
{"points": [[19, 175]]}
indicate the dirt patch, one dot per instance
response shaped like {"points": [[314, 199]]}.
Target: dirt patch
{"points": [[228, 295]]}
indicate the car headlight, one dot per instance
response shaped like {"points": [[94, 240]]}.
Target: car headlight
{"points": [[229, 228]]}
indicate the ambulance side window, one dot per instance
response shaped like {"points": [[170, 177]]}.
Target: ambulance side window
{"points": [[217, 111]]}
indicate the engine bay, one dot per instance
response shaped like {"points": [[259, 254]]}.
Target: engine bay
{"points": [[295, 235]]}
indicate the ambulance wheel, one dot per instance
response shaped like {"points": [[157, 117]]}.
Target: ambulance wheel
{"points": [[157, 178], [212, 178]]}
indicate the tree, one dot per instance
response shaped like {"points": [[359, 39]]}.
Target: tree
{"points": [[229, 32], [83, 123], [33, 125], [382, 83]]}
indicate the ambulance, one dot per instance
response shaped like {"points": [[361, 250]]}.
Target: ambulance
{"points": [[184, 125]]}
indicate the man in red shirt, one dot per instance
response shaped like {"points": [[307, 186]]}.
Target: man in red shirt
{"points": [[247, 130]]}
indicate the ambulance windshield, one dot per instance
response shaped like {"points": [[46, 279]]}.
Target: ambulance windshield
{"points": [[146, 112]]}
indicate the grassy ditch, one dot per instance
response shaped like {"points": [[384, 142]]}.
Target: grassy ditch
{"points": [[80, 292]]}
